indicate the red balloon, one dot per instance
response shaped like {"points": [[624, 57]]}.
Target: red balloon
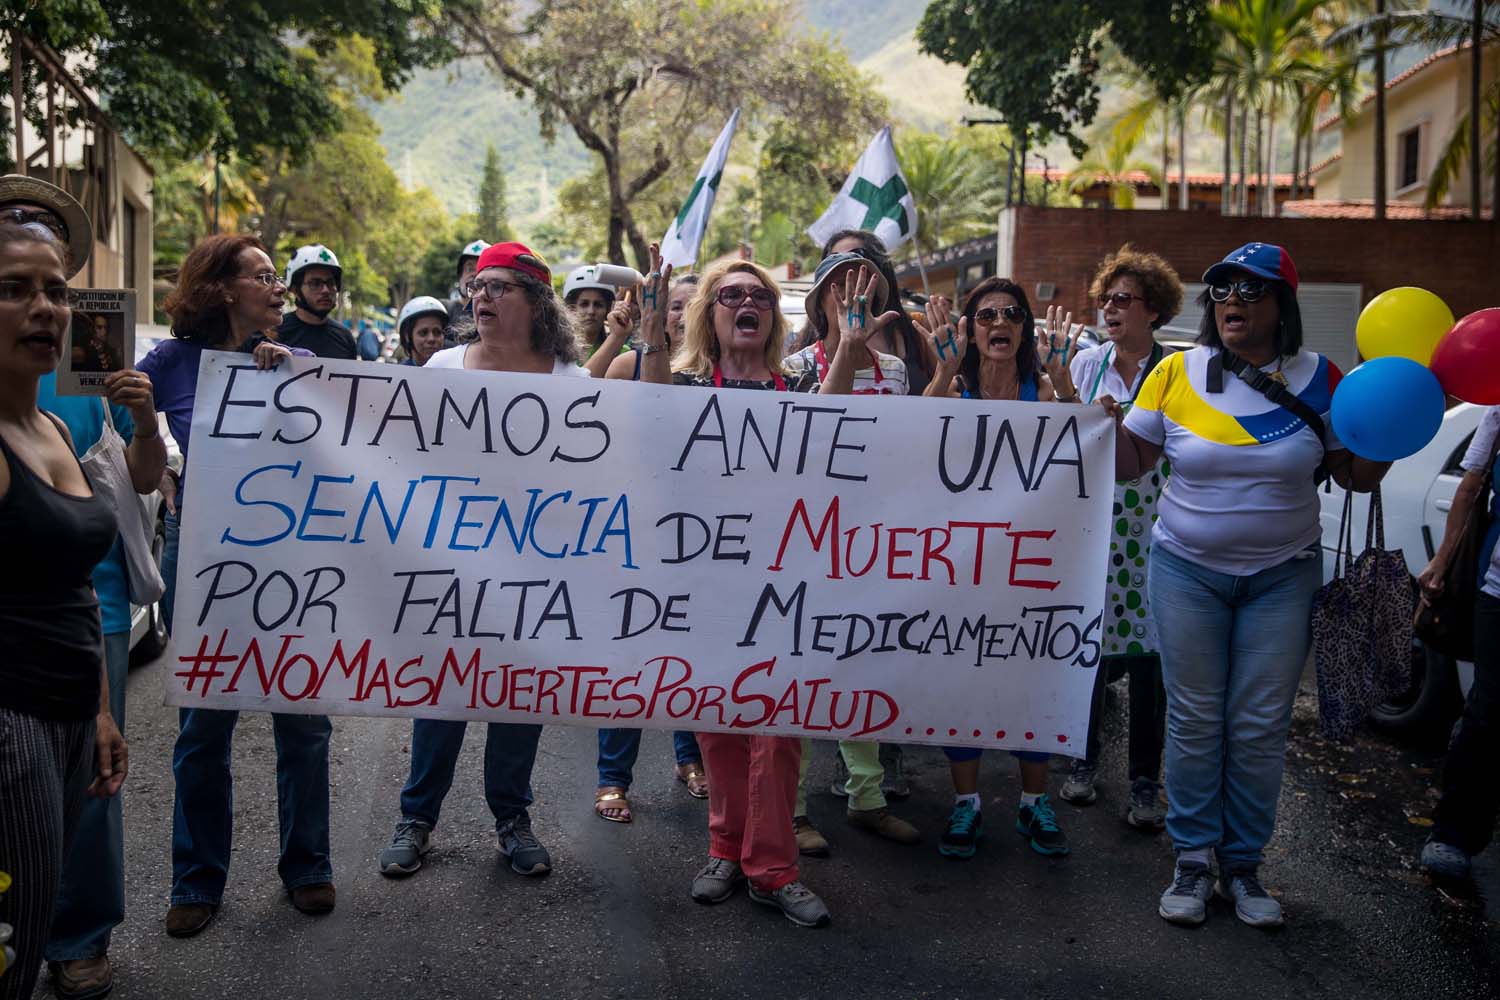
{"points": [[1467, 359]]}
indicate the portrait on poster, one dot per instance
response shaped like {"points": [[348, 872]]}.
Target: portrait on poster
{"points": [[101, 339]]}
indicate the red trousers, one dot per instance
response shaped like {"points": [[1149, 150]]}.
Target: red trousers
{"points": [[752, 790]]}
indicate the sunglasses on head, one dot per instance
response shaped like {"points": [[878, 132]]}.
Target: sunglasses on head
{"points": [[31, 217], [989, 316], [1248, 289], [730, 297]]}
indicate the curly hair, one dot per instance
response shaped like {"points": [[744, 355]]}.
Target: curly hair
{"points": [[1160, 286], [1028, 366], [197, 304], [552, 329], [700, 344]]}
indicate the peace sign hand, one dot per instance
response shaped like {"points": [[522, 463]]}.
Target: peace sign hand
{"points": [[1059, 344], [653, 306], [948, 341]]}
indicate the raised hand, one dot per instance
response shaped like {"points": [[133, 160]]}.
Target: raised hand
{"points": [[654, 300], [623, 317], [855, 321], [948, 341], [1057, 345]]}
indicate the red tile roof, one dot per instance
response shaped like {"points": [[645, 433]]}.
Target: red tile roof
{"points": [[1399, 210], [1400, 78], [1058, 174], [1336, 157]]}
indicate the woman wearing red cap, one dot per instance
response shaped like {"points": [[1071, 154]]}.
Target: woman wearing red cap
{"points": [[1235, 561], [517, 326]]}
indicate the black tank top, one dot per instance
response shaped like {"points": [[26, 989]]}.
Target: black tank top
{"points": [[52, 650]]}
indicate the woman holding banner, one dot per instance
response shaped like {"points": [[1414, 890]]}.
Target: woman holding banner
{"points": [[992, 354], [732, 338], [1235, 562], [516, 325], [228, 293], [1137, 294], [58, 740]]}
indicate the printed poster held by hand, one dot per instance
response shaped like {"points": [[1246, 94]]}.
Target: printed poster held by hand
{"points": [[518, 547], [101, 339], [874, 197]]}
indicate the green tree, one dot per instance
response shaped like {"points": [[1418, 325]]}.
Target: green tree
{"points": [[492, 207], [646, 85], [1109, 162], [181, 76]]}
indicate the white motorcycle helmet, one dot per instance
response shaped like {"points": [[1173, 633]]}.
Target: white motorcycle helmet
{"points": [[470, 252], [586, 277], [313, 255], [422, 305]]}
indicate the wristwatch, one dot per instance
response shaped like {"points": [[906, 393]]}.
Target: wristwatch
{"points": [[649, 349]]}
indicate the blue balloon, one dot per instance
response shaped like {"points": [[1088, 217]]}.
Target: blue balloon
{"points": [[1388, 408]]}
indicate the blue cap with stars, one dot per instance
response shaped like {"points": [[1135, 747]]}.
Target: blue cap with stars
{"points": [[1264, 260]]}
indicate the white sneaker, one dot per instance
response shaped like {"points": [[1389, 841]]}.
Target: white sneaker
{"points": [[1185, 901], [1252, 904]]}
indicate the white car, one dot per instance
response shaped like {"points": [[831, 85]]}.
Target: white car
{"points": [[1415, 496]]}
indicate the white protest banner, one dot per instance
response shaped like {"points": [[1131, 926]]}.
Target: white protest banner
{"points": [[679, 247], [384, 540]]}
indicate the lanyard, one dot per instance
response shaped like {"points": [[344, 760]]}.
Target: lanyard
{"points": [[822, 358], [1109, 360], [719, 379]]}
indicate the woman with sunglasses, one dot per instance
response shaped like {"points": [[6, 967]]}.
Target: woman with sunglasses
{"points": [[228, 295], [58, 740], [733, 332], [516, 324], [1235, 562], [991, 353], [1137, 293]]}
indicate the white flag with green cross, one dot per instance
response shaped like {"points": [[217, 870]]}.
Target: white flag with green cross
{"points": [[680, 246], [875, 197]]}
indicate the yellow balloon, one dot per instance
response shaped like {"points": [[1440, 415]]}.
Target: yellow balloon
{"points": [[1403, 322]]}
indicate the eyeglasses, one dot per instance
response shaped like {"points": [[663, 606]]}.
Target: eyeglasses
{"points": [[1248, 289], [320, 285], [1120, 300], [493, 288], [268, 278], [991, 316], [15, 290], [730, 297], [27, 216]]}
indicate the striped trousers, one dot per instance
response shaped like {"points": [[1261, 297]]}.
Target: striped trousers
{"points": [[45, 770]]}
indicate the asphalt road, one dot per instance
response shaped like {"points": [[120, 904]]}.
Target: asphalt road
{"points": [[614, 918]]}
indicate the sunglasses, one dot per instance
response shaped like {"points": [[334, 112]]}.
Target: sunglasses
{"points": [[731, 296], [27, 216], [1120, 300], [1248, 289], [990, 316]]}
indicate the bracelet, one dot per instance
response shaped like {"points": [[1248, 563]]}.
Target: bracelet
{"points": [[650, 349]]}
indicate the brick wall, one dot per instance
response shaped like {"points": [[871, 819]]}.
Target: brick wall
{"points": [[1458, 261]]}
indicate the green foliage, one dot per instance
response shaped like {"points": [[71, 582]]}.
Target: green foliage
{"points": [[493, 224]]}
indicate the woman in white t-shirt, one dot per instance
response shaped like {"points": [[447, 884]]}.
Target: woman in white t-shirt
{"points": [[518, 326], [1464, 821], [1234, 563]]}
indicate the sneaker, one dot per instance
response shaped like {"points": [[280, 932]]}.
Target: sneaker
{"points": [[1079, 788], [412, 840], [895, 784], [1038, 823], [881, 823], [809, 840], [1252, 904], [1444, 860], [1186, 899], [840, 777], [519, 845], [1145, 811], [797, 903], [961, 839], [716, 882]]}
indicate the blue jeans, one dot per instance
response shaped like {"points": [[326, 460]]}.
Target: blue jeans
{"points": [[91, 900], [203, 815], [618, 749], [173, 526], [509, 754], [1232, 651]]}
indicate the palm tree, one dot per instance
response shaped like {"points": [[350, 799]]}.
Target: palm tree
{"points": [[950, 185], [1109, 162]]}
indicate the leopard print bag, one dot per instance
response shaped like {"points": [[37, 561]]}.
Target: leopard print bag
{"points": [[1362, 627]]}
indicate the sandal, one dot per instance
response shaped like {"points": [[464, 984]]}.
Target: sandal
{"points": [[610, 803], [696, 779]]}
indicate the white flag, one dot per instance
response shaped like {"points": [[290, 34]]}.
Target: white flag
{"points": [[875, 197], [685, 235]]}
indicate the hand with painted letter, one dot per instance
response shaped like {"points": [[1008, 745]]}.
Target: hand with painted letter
{"points": [[949, 341], [1057, 344], [855, 319], [654, 301]]}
